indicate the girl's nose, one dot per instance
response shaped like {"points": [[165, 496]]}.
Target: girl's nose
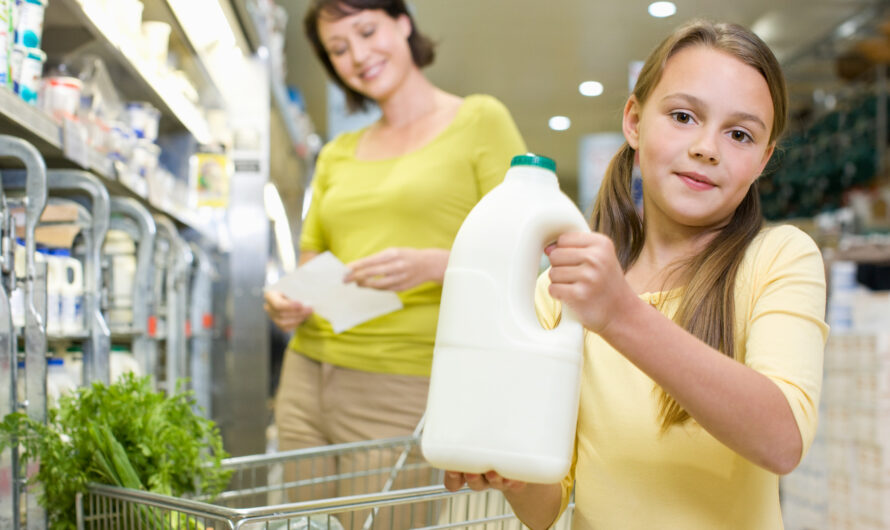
{"points": [[705, 151]]}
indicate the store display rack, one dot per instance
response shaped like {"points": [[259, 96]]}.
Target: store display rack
{"points": [[171, 288], [163, 95], [277, 83]]}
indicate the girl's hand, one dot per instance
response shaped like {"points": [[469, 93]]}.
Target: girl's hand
{"points": [[397, 269], [454, 480], [587, 277], [286, 313]]}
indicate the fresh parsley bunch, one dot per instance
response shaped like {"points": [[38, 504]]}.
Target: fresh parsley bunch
{"points": [[123, 434]]}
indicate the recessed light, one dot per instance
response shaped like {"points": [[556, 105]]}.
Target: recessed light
{"points": [[560, 123], [662, 9], [847, 29], [590, 88]]}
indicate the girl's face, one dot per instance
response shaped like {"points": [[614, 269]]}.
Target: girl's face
{"points": [[702, 137], [369, 50]]}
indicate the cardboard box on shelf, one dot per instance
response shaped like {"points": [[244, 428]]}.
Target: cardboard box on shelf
{"points": [[53, 235]]}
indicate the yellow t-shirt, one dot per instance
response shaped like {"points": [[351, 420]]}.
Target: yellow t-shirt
{"points": [[417, 200], [628, 476]]}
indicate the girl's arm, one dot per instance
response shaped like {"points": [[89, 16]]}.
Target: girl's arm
{"points": [[738, 405]]}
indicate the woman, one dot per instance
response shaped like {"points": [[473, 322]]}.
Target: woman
{"points": [[387, 200], [705, 331]]}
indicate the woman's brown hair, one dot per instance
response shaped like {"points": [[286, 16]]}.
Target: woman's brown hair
{"points": [[707, 309], [422, 48]]}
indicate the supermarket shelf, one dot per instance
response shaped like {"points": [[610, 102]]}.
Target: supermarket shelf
{"points": [[55, 338], [276, 82], [37, 127], [124, 334], [279, 95], [161, 92]]}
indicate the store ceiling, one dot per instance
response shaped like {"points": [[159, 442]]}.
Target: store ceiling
{"points": [[532, 54]]}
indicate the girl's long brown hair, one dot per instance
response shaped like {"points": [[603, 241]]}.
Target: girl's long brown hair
{"points": [[707, 307]]}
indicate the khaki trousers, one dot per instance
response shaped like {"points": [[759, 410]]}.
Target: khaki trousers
{"points": [[320, 404]]}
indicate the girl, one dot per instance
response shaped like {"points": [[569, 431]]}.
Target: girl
{"points": [[705, 331]]}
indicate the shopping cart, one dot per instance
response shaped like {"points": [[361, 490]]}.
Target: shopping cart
{"points": [[378, 484]]}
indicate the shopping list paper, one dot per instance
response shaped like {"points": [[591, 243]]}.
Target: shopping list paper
{"points": [[318, 283]]}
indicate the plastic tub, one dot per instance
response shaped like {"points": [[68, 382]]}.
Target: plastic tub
{"points": [[120, 142], [6, 39], [156, 39], [61, 96], [27, 70], [127, 15], [29, 22], [143, 119]]}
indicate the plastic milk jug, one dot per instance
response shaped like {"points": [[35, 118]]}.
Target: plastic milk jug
{"points": [[504, 391], [55, 279], [71, 308]]}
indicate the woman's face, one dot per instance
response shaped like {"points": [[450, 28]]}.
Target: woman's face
{"points": [[369, 50], [703, 137]]}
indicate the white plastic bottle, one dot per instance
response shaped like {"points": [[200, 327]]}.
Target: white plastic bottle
{"points": [[71, 310], [504, 391], [73, 356], [58, 381], [17, 298], [55, 275], [121, 249], [121, 362]]}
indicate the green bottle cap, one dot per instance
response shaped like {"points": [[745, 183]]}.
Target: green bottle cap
{"points": [[531, 159]]}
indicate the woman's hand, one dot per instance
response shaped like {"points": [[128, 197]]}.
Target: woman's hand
{"points": [[286, 313], [397, 269], [588, 278], [454, 480]]}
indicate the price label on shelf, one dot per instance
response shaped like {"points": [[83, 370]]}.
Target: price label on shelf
{"points": [[74, 143]]}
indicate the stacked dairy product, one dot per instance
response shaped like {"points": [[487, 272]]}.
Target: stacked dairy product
{"points": [[844, 481]]}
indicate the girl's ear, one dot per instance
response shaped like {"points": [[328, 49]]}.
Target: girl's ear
{"points": [[404, 24], [630, 123]]}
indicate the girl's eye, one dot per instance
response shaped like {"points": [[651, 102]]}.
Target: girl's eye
{"points": [[741, 136], [682, 117], [368, 31]]}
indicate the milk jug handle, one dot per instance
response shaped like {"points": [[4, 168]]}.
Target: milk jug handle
{"points": [[548, 229]]}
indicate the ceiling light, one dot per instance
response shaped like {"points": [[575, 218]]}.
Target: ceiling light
{"points": [[662, 9], [591, 88], [847, 29], [560, 123]]}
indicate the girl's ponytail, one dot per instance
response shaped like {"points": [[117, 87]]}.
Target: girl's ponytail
{"points": [[614, 213]]}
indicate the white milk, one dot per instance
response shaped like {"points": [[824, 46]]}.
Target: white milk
{"points": [[71, 308], [504, 391], [58, 381]]}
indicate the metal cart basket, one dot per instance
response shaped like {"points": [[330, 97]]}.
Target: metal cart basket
{"points": [[377, 484]]}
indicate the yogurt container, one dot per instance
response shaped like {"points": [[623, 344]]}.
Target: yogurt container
{"points": [[29, 22], [27, 69], [60, 96], [6, 38], [143, 119]]}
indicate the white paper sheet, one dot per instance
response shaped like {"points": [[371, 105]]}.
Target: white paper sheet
{"points": [[318, 283]]}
